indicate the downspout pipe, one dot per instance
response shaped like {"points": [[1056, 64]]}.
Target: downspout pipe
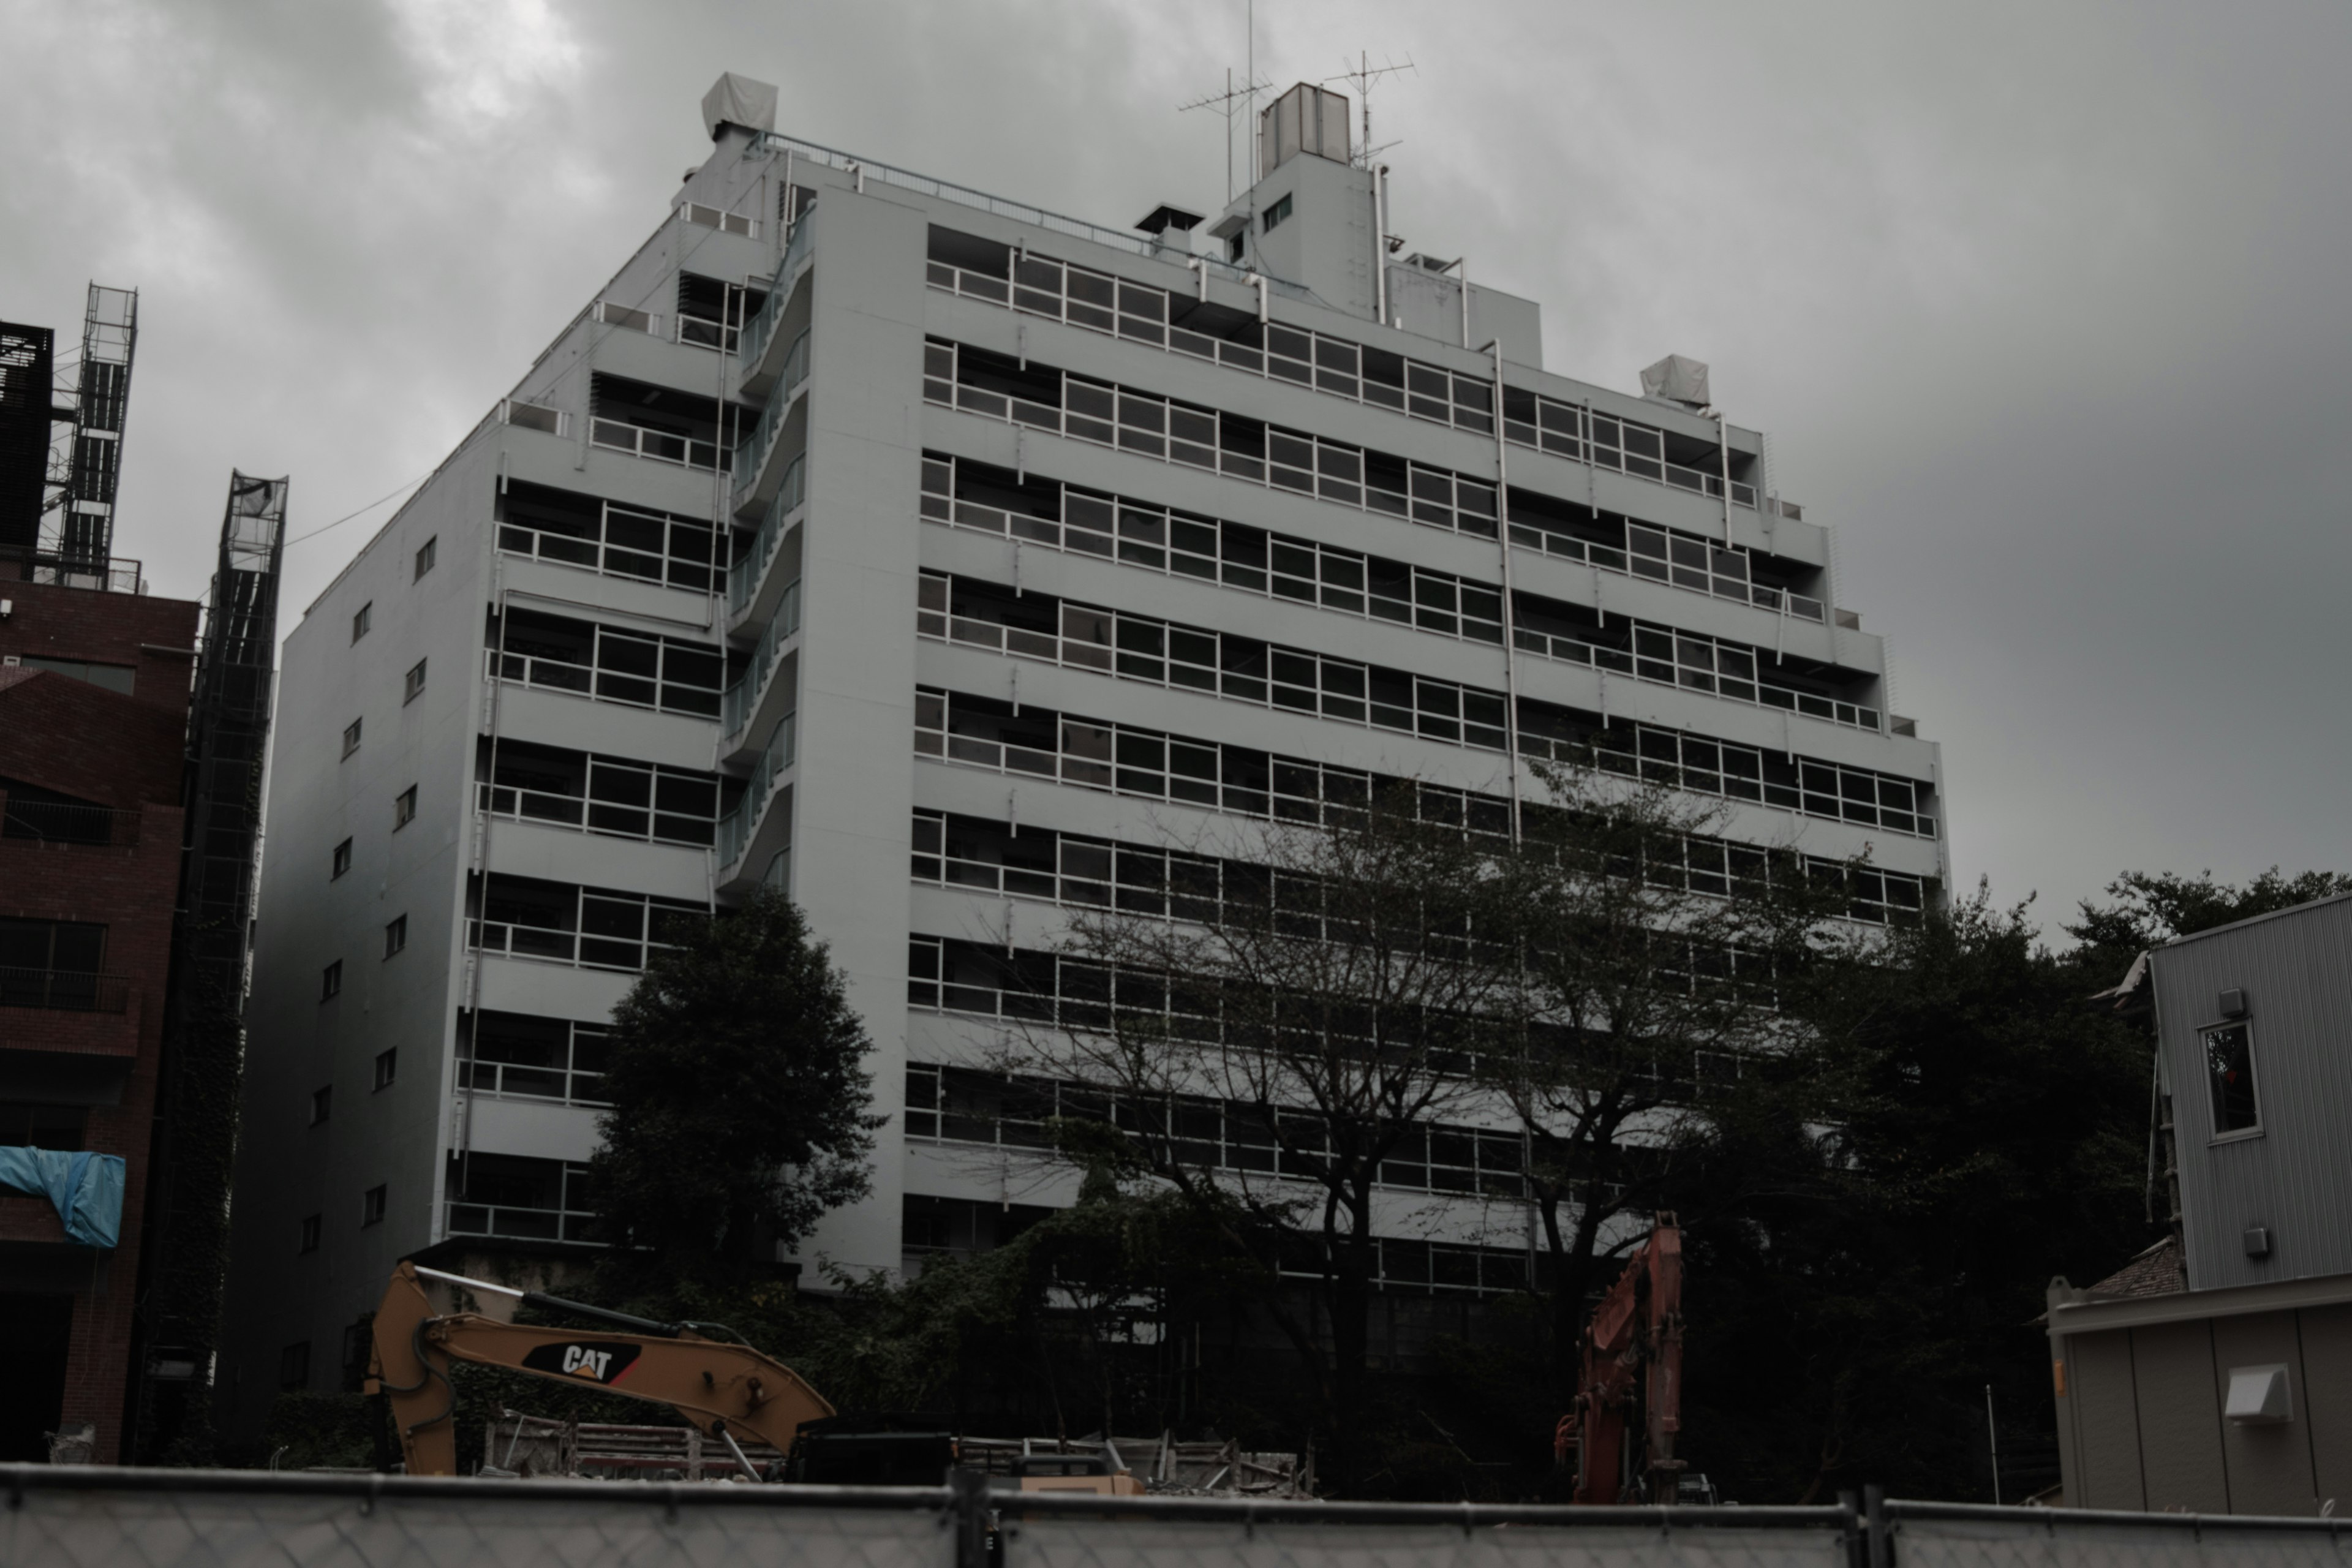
{"points": [[1510, 609], [1380, 243]]}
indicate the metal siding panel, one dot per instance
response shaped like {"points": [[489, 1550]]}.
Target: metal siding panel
{"points": [[2107, 1421], [2270, 1467], [2296, 1178], [2326, 1345], [2179, 1418]]}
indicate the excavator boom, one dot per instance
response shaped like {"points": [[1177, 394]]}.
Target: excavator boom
{"points": [[722, 1388]]}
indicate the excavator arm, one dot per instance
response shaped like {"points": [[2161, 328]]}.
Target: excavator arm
{"points": [[722, 1388], [1632, 1374]]}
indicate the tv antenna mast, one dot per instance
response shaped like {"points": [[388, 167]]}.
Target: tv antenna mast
{"points": [[1361, 78], [1230, 103]]}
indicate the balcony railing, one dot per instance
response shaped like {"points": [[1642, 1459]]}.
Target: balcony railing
{"points": [[1609, 558], [526, 1224], [608, 818], [638, 441], [752, 455], [753, 340], [735, 829], [67, 822], [513, 1080], [1728, 673], [65, 990], [114, 575], [744, 576], [743, 698]]}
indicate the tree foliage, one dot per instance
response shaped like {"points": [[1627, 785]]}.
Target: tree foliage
{"points": [[739, 1095]]}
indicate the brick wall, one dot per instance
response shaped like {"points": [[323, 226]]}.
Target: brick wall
{"points": [[67, 735], [157, 637]]}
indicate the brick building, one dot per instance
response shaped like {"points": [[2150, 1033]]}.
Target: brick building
{"points": [[94, 690]]}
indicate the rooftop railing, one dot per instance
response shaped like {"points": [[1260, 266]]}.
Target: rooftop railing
{"points": [[64, 990], [112, 574], [1020, 212], [69, 822]]}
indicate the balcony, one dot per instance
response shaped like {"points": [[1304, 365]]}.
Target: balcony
{"points": [[759, 477], [747, 579], [739, 827], [112, 574], [640, 441], [65, 990]]}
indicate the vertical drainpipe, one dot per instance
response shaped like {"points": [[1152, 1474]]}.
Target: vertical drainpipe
{"points": [[1380, 242], [1462, 269], [1510, 613]]}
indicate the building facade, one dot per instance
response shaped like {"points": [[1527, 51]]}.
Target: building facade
{"points": [[937, 559], [93, 718]]}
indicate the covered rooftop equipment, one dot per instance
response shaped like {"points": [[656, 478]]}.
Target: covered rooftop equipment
{"points": [[739, 100], [1307, 119], [1676, 379]]}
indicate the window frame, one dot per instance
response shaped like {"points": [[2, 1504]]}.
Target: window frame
{"points": [[308, 1235], [404, 808], [428, 556], [387, 1069], [330, 981], [322, 1106], [373, 1203], [396, 936], [413, 683], [351, 736], [362, 620], [339, 863], [2254, 1129]]}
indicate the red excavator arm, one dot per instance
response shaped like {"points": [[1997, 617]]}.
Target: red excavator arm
{"points": [[1632, 1380]]}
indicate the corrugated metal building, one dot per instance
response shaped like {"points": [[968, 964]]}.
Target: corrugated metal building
{"points": [[2228, 1388]]}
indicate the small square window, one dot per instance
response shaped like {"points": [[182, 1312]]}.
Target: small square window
{"points": [[361, 621], [294, 1366], [372, 1207], [330, 981], [351, 737], [342, 860], [425, 556], [322, 1103], [404, 808], [396, 935], [387, 1064], [2230, 1070], [310, 1231], [1275, 215], [414, 684]]}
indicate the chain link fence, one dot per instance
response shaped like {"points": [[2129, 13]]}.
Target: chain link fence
{"points": [[73, 1517]]}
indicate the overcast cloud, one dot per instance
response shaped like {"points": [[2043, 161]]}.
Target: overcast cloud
{"points": [[2043, 306]]}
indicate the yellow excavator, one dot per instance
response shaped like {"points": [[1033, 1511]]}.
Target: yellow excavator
{"points": [[721, 1388]]}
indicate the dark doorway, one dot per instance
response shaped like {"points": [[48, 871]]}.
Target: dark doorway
{"points": [[36, 1331]]}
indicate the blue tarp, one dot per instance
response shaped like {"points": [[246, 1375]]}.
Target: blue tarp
{"points": [[87, 1189]]}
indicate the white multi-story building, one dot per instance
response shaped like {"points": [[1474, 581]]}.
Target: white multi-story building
{"points": [[865, 522]]}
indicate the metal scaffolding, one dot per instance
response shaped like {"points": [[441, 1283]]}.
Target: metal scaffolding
{"points": [[91, 465], [186, 1240]]}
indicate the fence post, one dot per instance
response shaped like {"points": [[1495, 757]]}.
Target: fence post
{"points": [[969, 1507], [1882, 1546], [1850, 1530]]}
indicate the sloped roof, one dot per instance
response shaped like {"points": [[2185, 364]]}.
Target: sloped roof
{"points": [[2158, 1271]]}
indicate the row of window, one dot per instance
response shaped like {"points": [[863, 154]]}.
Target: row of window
{"points": [[594, 928], [963, 1105], [395, 942], [412, 687], [979, 496], [1042, 286], [1154, 766], [1028, 987], [1221, 664], [1644, 650], [610, 795], [490, 1195], [517, 1056], [541, 522], [642, 669], [997, 387], [956, 851]]}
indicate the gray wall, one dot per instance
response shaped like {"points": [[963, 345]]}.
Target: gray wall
{"points": [[2294, 1175]]}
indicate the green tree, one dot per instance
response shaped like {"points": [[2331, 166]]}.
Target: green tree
{"points": [[2145, 908], [740, 1095], [1861, 1270]]}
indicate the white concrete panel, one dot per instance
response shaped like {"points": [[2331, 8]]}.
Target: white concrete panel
{"points": [[541, 1128], [596, 859]]}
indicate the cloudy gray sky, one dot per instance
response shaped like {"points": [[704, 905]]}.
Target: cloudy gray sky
{"points": [[2043, 305]]}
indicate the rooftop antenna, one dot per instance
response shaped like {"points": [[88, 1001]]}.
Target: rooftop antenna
{"points": [[1228, 103], [1361, 78]]}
